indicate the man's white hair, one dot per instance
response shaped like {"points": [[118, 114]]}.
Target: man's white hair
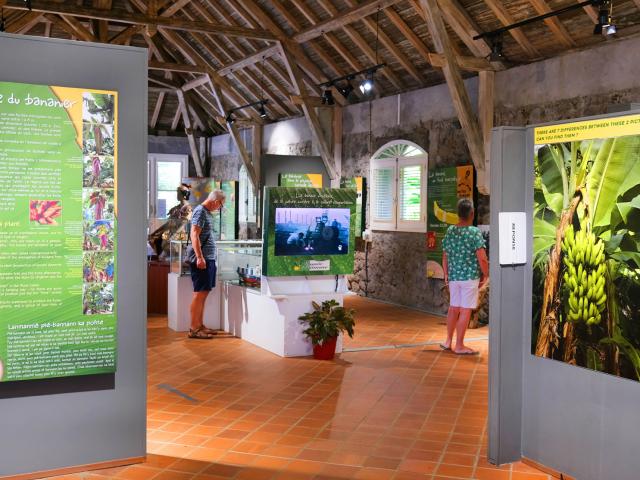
{"points": [[217, 195]]}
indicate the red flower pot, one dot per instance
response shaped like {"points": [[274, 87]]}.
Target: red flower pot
{"points": [[326, 351]]}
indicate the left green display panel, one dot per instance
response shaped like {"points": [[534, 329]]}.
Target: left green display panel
{"points": [[58, 231]]}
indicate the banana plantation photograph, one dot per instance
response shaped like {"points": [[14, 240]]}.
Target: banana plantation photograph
{"points": [[586, 260]]}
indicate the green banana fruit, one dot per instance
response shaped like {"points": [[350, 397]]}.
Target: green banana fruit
{"points": [[583, 278]]}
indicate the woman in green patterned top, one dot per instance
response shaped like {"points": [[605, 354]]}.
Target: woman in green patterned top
{"points": [[466, 269]]}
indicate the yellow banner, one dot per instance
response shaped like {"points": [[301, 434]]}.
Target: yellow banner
{"points": [[587, 130]]}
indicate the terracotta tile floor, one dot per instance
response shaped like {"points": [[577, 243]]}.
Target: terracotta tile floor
{"points": [[397, 414]]}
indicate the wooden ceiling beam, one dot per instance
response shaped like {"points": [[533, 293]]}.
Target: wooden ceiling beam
{"points": [[118, 15], [235, 136], [281, 83], [175, 8], [188, 129], [455, 83], [156, 110], [126, 34], [276, 85], [24, 23], [554, 24], [313, 45], [194, 57], [195, 83], [249, 60], [227, 19], [176, 119], [350, 15], [156, 48], [315, 74], [362, 44], [177, 67], [255, 84], [500, 11], [471, 64], [101, 27], [465, 28], [81, 31], [309, 110], [592, 12], [393, 48]]}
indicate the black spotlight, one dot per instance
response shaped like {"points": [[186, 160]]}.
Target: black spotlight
{"points": [[327, 98], [346, 90], [496, 54], [262, 111], [230, 119], [605, 22]]}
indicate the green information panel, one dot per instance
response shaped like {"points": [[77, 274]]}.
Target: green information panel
{"points": [[359, 183], [444, 188], [312, 180], [58, 231], [308, 231]]}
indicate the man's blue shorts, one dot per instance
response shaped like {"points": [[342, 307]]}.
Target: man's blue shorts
{"points": [[204, 279]]}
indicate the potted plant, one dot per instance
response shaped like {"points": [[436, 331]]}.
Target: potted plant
{"points": [[324, 324]]}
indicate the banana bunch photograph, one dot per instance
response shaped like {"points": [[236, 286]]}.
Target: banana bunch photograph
{"points": [[586, 254]]}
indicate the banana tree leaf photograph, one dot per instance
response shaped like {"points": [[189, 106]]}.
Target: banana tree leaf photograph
{"points": [[586, 254]]}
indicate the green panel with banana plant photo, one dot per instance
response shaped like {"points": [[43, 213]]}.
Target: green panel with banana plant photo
{"points": [[586, 260]]}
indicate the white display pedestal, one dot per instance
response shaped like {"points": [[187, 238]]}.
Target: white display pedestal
{"points": [[180, 293], [268, 317]]}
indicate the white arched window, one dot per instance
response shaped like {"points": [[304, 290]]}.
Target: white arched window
{"points": [[399, 188]]}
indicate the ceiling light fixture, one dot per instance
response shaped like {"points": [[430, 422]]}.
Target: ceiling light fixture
{"points": [[346, 90], [605, 23], [496, 54], [576, 6], [367, 84], [259, 105], [327, 98]]}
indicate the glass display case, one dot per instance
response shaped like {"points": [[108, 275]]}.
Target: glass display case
{"points": [[237, 260]]}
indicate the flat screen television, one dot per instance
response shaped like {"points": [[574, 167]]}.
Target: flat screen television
{"points": [[312, 231]]}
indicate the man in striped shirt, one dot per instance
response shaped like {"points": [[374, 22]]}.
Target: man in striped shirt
{"points": [[203, 261]]}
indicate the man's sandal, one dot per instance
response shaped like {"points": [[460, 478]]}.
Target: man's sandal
{"points": [[200, 333], [210, 331]]}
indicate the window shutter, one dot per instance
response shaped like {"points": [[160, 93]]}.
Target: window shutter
{"points": [[383, 206], [412, 195]]}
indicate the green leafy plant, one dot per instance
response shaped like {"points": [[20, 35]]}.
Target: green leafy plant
{"points": [[327, 321]]}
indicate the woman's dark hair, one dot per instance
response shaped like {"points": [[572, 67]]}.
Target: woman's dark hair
{"points": [[465, 208]]}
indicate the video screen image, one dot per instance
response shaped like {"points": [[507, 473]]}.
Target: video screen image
{"points": [[312, 231]]}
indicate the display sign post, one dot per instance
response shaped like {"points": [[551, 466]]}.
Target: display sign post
{"points": [[58, 231]]}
